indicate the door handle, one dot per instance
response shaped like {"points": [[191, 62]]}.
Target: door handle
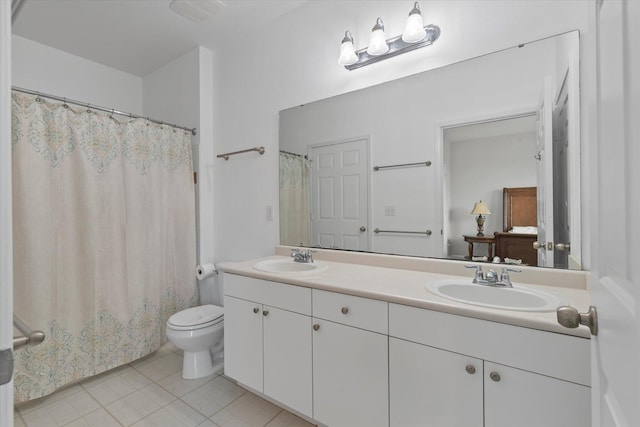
{"points": [[562, 246], [538, 245], [569, 317]]}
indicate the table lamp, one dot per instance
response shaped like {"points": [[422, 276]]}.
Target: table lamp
{"points": [[480, 209]]}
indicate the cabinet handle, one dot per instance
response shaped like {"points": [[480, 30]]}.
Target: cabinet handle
{"points": [[345, 310], [470, 369], [265, 312], [316, 327], [494, 376], [256, 309]]}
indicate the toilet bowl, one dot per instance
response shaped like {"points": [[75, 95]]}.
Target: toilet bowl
{"points": [[198, 331]]}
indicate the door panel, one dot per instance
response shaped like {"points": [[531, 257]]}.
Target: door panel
{"points": [[339, 195], [544, 173], [615, 278], [6, 235]]}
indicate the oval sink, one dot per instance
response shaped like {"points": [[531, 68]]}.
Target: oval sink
{"points": [[289, 266], [516, 298]]}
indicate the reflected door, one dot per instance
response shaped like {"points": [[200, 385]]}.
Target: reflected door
{"points": [[339, 192], [561, 237], [544, 174]]}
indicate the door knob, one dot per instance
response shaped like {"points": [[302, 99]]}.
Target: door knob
{"points": [[563, 246], [470, 369], [265, 313], [363, 229], [538, 245], [316, 327], [494, 376], [569, 317], [256, 309]]}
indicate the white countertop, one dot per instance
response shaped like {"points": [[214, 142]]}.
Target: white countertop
{"points": [[407, 287]]}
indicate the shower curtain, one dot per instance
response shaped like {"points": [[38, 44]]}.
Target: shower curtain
{"points": [[104, 238], [295, 213]]}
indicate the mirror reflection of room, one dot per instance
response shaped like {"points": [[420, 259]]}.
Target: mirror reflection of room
{"points": [[453, 136]]}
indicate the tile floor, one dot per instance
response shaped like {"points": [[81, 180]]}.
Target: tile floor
{"points": [[151, 393]]}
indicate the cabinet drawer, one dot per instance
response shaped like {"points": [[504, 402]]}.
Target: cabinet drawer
{"points": [[350, 310], [556, 355], [287, 297]]}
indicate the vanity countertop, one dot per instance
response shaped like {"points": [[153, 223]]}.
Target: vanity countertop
{"points": [[407, 287]]}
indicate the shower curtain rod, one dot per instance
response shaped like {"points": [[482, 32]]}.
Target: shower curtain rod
{"points": [[95, 107]]}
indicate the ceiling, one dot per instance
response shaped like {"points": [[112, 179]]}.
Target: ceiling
{"points": [[138, 36]]}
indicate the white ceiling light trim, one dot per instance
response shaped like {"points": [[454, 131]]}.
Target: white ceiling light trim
{"points": [[197, 11]]}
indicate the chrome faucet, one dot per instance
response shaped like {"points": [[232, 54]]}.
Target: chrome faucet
{"points": [[302, 256], [491, 278]]}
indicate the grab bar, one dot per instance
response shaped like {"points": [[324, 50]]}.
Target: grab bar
{"points": [[377, 230], [226, 155], [30, 337], [404, 165]]}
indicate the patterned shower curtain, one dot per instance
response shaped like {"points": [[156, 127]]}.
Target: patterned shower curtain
{"points": [[104, 238], [295, 213]]}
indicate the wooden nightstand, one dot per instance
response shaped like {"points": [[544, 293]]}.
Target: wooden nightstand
{"points": [[490, 240]]}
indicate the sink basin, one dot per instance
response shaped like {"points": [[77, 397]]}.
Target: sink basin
{"points": [[289, 266], [516, 298]]}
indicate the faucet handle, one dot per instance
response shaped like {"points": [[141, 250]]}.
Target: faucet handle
{"points": [[504, 276], [479, 273]]}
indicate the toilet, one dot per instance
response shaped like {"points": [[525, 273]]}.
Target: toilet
{"points": [[198, 331]]}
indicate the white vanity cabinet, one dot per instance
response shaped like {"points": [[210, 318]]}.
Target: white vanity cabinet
{"points": [[512, 376], [267, 339], [350, 360]]}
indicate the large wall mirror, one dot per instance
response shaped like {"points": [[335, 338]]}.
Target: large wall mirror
{"points": [[399, 167]]}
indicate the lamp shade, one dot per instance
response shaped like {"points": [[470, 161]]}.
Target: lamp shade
{"points": [[347, 51], [414, 31], [378, 44], [480, 208]]}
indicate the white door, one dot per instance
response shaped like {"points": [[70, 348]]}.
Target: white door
{"points": [[243, 341], [350, 376], [6, 241], [614, 207], [287, 358], [561, 237], [544, 174], [427, 386], [339, 195], [517, 398]]}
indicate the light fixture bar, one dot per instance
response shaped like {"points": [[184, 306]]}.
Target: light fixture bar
{"points": [[397, 46]]}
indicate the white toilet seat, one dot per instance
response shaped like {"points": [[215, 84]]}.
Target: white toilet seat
{"points": [[195, 318]]}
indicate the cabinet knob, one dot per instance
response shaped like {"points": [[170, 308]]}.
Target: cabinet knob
{"points": [[316, 327], [265, 312], [256, 309], [470, 369], [345, 310], [494, 376]]}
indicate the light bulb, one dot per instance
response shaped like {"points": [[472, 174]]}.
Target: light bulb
{"points": [[378, 43], [414, 31], [347, 52]]}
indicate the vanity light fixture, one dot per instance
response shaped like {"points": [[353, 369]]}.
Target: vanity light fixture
{"points": [[414, 37]]}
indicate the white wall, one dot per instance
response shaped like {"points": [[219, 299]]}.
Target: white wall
{"points": [[181, 92], [294, 61], [52, 71]]}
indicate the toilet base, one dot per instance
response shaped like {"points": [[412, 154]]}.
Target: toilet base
{"points": [[197, 364]]}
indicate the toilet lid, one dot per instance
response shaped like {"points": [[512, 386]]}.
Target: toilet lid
{"points": [[197, 316]]}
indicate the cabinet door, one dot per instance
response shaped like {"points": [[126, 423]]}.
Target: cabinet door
{"points": [[243, 341], [350, 376], [287, 358], [433, 387], [519, 398]]}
